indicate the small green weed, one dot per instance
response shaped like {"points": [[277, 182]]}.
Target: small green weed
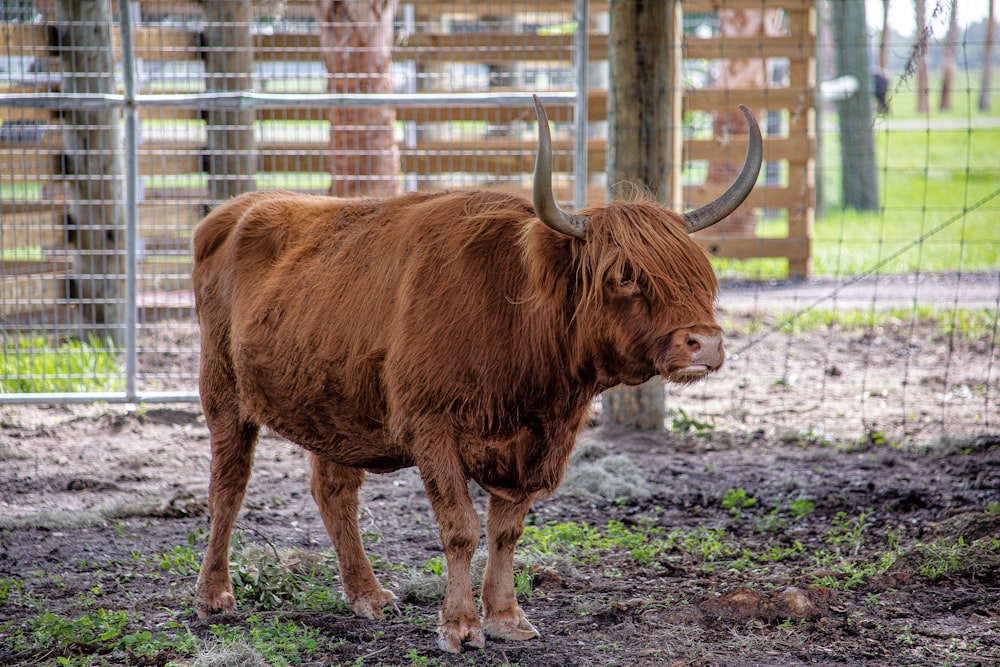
{"points": [[435, 565], [180, 561], [278, 641], [844, 573], [97, 628], [263, 580], [848, 532], [737, 499], [682, 423], [776, 520], [10, 588], [953, 558]]}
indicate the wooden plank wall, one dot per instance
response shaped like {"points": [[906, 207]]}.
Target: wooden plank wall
{"points": [[791, 147], [31, 144]]}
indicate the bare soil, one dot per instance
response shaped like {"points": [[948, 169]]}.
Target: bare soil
{"points": [[882, 569]]}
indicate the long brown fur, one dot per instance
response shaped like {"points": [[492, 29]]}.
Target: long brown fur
{"points": [[451, 331]]}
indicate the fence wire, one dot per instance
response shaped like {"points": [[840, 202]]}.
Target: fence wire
{"points": [[106, 171]]}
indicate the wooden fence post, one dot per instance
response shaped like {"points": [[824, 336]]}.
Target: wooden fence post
{"points": [[644, 144], [228, 54], [92, 167]]}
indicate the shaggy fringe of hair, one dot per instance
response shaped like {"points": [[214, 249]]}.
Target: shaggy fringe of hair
{"points": [[641, 240]]}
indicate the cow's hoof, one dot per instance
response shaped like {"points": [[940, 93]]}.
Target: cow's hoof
{"points": [[451, 637], [223, 603], [510, 629], [371, 604]]}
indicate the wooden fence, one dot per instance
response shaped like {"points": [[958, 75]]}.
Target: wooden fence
{"points": [[531, 49]]}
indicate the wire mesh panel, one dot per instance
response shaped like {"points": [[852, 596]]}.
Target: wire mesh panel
{"points": [[200, 138], [893, 335], [894, 339], [62, 233]]}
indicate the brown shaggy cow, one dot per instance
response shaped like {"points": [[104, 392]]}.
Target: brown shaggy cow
{"points": [[464, 333]]}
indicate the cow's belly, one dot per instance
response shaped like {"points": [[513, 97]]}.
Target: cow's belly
{"points": [[306, 403]]}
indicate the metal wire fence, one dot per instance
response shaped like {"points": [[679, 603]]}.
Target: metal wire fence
{"points": [[116, 145], [110, 153]]}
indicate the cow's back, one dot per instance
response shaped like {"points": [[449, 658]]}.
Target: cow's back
{"points": [[302, 299]]}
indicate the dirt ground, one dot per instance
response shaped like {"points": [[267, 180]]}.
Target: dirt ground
{"points": [[794, 541]]}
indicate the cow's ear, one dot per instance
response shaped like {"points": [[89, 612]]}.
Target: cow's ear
{"points": [[549, 258]]}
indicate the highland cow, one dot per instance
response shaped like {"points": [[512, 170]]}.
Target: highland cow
{"points": [[465, 333]]}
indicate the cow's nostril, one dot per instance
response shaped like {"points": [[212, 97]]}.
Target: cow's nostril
{"points": [[693, 343]]}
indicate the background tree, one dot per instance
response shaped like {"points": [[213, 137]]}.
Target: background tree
{"points": [[93, 167], [228, 54], [984, 90], [883, 47], [920, 53], [356, 37], [643, 145], [855, 113], [948, 57]]}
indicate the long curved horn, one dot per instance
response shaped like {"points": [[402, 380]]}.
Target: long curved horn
{"points": [[546, 208], [709, 214]]}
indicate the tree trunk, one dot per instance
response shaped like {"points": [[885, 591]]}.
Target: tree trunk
{"points": [[985, 88], [93, 167], [923, 34], [356, 40], [883, 47], [643, 145], [228, 53], [948, 58], [857, 140]]}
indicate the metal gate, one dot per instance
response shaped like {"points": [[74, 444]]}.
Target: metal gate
{"points": [[95, 301]]}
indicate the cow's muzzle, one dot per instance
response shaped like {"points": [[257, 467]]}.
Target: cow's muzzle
{"points": [[692, 354]]}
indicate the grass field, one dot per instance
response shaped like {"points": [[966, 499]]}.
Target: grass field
{"points": [[939, 191]]}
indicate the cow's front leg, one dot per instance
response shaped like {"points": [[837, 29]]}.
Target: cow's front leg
{"points": [[447, 490], [502, 617], [335, 490]]}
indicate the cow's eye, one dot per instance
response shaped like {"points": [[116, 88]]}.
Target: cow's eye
{"points": [[625, 287]]}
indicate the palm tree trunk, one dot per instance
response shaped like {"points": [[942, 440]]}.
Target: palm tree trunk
{"points": [[356, 37]]}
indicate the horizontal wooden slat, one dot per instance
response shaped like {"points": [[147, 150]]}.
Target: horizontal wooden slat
{"points": [[172, 43], [154, 219], [735, 248], [768, 196], [33, 38], [758, 99], [699, 6], [28, 165], [793, 47], [480, 155], [26, 288], [169, 163], [28, 230], [307, 8], [796, 150]]}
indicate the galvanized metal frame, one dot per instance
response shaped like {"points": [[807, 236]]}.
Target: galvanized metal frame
{"points": [[130, 101]]}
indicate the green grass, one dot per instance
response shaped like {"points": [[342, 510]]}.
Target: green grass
{"points": [[31, 364], [940, 200], [964, 97], [22, 254], [964, 323]]}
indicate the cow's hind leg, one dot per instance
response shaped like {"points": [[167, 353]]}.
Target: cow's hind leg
{"points": [[233, 441], [502, 617], [335, 490]]}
